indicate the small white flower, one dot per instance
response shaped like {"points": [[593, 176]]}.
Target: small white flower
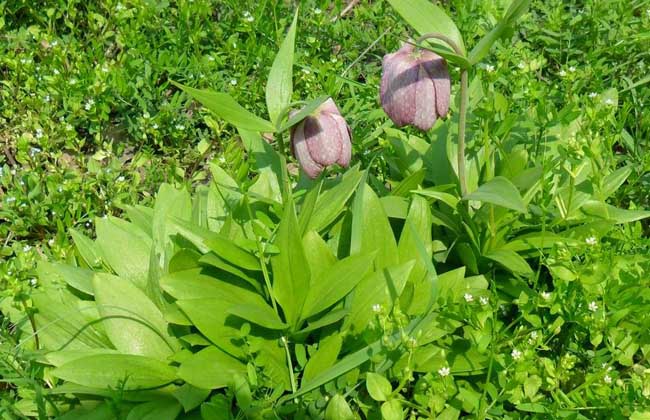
{"points": [[250, 19], [516, 354], [88, 224], [69, 127], [146, 116], [468, 297], [27, 248], [47, 98], [54, 43], [53, 213], [233, 82], [607, 379], [306, 71], [593, 306], [376, 308], [179, 127], [50, 242], [546, 295], [591, 241], [489, 68], [210, 58], [444, 371], [533, 335], [89, 104], [60, 189], [33, 282], [120, 178], [39, 133], [34, 151], [119, 7], [484, 300], [521, 65], [562, 73], [73, 81], [593, 95], [572, 69], [154, 126], [609, 101]]}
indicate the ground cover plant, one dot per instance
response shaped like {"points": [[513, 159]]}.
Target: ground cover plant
{"points": [[391, 289]]}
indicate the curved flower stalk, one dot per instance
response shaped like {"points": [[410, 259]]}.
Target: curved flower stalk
{"points": [[321, 140]]}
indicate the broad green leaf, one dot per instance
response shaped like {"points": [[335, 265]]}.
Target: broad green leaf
{"points": [[536, 241], [125, 248], [609, 212], [291, 274], [371, 230], [319, 256], [378, 386], [377, 288], [171, 203], [324, 358], [335, 283], [64, 322], [418, 222], [614, 180], [224, 106], [329, 318], [202, 283], [89, 411], [409, 183], [303, 113], [331, 202], [88, 250], [279, 86], [210, 316], [133, 323], [190, 396], [262, 315], [117, 371], [141, 216], [392, 410], [210, 368], [213, 260], [223, 247], [60, 358], [499, 191], [76, 277], [510, 260], [482, 48], [426, 17], [338, 409], [159, 409], [219, 408]]}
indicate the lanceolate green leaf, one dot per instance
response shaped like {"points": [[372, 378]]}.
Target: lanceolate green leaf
{"points": [[331, 202], [210, 368], [262, 315], [291, 274], [225, 106], [133, 323], [324, 358], [511, 261], [117, 371], [336, 283], [425, 17], [304, 112], [279, 86], [501, 192]]}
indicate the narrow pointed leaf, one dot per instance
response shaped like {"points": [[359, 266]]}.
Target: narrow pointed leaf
{"points": [[279, 86], [499, 191], [226, 107]]}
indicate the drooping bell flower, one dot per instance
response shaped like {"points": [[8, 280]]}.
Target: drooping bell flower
{"points": [[322, 139], [415, 87]]}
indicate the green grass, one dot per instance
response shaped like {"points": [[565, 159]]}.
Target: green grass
{"points": [[89, 123]]}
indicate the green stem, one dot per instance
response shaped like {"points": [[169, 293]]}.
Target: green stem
{"points": [[464, 88], [462, 117], [290, 365]]}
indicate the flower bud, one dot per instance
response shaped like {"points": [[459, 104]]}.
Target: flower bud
{"points": [[322, 139], [415, 87]]}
